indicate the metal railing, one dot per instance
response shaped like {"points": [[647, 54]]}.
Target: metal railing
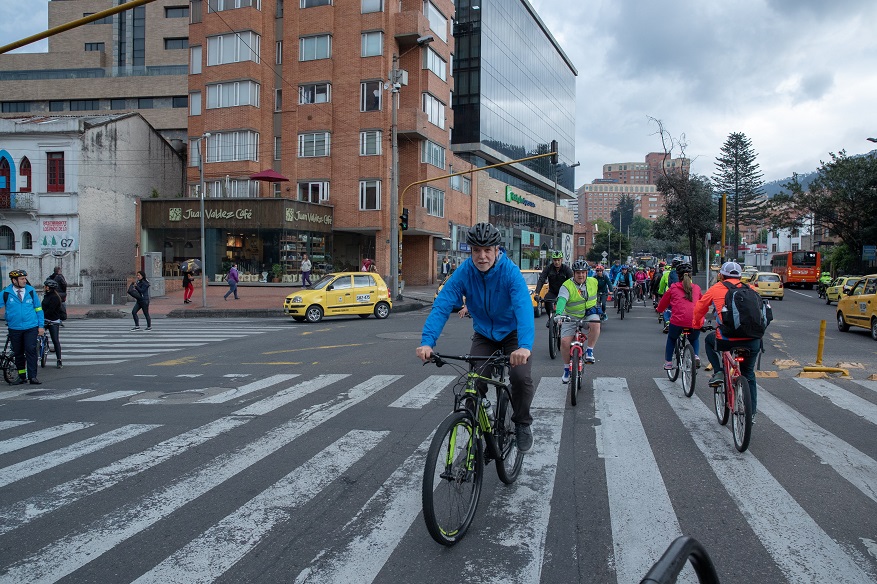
{"points": [[20, 201], [109, 291]]}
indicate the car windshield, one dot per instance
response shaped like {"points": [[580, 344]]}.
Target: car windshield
{"points": [[768, 278], [323, 282], [530, 278]]}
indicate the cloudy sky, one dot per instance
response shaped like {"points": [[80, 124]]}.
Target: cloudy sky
{"points": [[798, 77]]}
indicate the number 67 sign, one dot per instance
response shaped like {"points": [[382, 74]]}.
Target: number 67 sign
{"points": [[55, 235]]}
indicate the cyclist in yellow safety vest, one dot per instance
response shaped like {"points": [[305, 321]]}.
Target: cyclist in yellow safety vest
{"points": [[578, 299]]}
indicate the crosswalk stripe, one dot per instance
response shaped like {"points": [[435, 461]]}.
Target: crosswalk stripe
{"points": [[6, 424], [63, 394], [73, 551], [849, 462], [212, 553], [22, 512], [377, 528], [111, 396], [9, 394], [641, 526], [841, 398], [19, 442], [30, 467], [245, 389], [781, 524], [866, 383], [290, 394], [424, 392]]}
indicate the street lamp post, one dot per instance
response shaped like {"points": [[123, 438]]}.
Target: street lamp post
{"points": [[201, 188], [395, 86]]}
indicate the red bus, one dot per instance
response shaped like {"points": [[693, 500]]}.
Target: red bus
{"points": [[800, 268]]}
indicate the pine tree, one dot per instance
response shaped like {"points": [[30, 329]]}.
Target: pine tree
{"points": [[739, 177]]}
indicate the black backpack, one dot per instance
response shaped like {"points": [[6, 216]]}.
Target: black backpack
{"points": [[745, 314]]}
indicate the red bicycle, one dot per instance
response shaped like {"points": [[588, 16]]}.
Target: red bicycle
{"points": [[733, 395], [576, 354]]}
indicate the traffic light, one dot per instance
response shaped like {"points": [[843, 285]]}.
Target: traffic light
{"points": [[403, 220], [553, 148]]}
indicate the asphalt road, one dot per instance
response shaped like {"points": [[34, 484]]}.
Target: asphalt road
{"points": [[253, 451]]}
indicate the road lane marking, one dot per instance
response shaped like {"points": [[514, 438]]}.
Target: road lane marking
{"points": [[780, 523], [25, 440], [6, 424], [290, 394], [841, 398], [111, 396], [424, 392], [245, 389], [22, 512], [210, 555]]}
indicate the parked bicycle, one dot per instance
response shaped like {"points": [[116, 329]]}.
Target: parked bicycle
{"points": [[475, 433], [733, 396], [576, 356], [684, 363], [7, 362]]}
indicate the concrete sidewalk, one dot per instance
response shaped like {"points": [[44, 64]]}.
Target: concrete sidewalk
{"points": [[255, 300]]}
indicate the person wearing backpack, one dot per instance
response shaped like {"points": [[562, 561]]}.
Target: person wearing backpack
{"points": [[735, 303]]}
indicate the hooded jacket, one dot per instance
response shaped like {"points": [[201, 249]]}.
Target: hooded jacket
{"points": [[498, 301]]}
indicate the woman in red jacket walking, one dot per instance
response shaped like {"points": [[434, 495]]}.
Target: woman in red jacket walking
{"points": [[680, 298]]}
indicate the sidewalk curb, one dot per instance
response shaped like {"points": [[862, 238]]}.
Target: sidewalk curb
{"points": [[103, 313]]}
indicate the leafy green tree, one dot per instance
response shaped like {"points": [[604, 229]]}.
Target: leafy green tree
{"points": [[842, 197], [739, 177], [622, 215], [608, 240], [690, 210]]}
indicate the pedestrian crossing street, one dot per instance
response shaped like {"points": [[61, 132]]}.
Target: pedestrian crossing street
{"points": [[111, 341], [52, 471]]}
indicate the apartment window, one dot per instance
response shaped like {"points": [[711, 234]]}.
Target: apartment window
{"points": [[315, 47], [94, 47], [83, 105], [314, 93], [7, 238], [235, 93], [143, 103], [24, 175], [278, 100], [369, 195], [55, 172], [197, 14], [435, 110], [581, 241], [180, 101], [278, 53], [176, 12], [467, 185], [195, 60], [26, 240], [435, 63], [370, 142], [57, 106], [234, 188], [195, 103], [104, 20], [231, 146], [119, 104], [312, 3], [433, 200], [277, 145], [233, 48], [15, 107], [370, 96], [220, 5], [437, 21], [313, 192], [313, 144], [433, 154], [176, 43], [372, 6], [372, 44]]}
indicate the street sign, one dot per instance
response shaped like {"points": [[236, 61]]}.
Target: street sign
{"points": [[869, 252], [604, 254]]}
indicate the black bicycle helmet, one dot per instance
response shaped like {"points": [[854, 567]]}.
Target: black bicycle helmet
{"points": [[483, 235], [580, 266], [675, 263], [684, 268], [50, 283], [17, 274]]}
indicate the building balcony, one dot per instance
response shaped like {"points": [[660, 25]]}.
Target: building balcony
{"points": [[412, 122], [23, 202], [410, 26]]}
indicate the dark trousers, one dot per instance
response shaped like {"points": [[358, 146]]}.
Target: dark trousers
{"points": [[232, 289], [673, 335], [144, 306], [54, 329], [520, 377], [24, 347], [747, 366], [306, 278]]}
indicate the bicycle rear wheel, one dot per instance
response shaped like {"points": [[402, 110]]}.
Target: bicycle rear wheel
{"points": [[508, 467], [720, 404], [44, 351], [622, 307], [10, 371], [688, 370], [673, 373], [575, 377], [552, 334], [452, 479], [742, 426]]}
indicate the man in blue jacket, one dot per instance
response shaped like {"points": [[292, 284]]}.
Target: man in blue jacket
{"points": [[24, 317], [499, 302]]}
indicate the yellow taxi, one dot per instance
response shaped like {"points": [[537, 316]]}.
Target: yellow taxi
{"points": [[768, 284], [340, 294], [530, 277], [747, 274], [859, 307], [839, 287]]}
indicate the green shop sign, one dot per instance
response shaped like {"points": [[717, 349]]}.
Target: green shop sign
{"points": [[513, 196]]}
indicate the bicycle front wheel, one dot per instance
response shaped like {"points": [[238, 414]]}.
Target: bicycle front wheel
{"points": [[44, 352], [452, 479], [575, 377], [688, 370], [742, 426], [621, 308], [10, 371], [673, 373], [508, 467], [552, 337], [720, 404]]}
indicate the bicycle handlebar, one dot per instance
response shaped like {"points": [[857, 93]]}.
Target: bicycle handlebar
{"points": [[441, 360]]}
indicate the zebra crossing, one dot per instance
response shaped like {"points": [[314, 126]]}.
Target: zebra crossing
{"points": [[111, 341], [295, 478]]}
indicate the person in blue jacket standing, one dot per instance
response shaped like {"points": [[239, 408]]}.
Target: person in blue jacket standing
{"points": [[499, 302], [25, 320]]}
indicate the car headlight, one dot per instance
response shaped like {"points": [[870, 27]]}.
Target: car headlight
{"points": [[297, 299]]}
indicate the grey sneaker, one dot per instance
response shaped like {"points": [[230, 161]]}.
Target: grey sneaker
{"points": [[717, 379], [524, 437], [135, 328]]}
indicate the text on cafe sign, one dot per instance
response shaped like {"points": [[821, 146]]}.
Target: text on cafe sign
{"points": [[293, 215], [513, 196], [177, 214]]}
